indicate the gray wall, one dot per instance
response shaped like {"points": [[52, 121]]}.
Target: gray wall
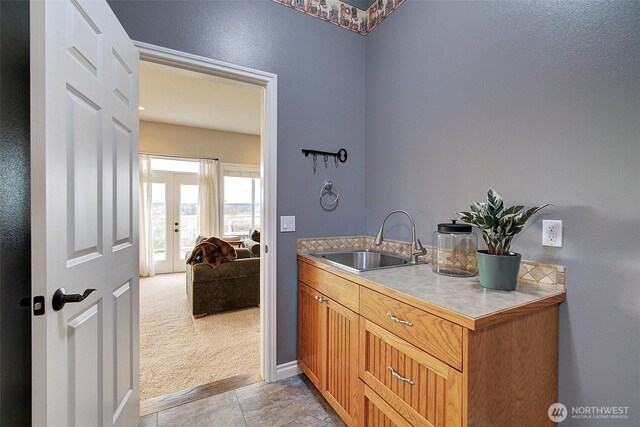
{"points": [[320, 105], [542, 101], [15, 245]]}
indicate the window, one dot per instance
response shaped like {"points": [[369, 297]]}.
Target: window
{"points": [[158, 220], [241, 192]]}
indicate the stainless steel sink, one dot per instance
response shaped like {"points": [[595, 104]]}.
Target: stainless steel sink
{"points": [[363, 260]]}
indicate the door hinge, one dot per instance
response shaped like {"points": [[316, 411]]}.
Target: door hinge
{"points": [[38, 305]]}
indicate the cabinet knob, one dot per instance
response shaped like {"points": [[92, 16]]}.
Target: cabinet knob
{"points": [[320, 299]]}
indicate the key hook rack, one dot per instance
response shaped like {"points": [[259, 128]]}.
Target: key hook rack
{"points": [[340, 155]]}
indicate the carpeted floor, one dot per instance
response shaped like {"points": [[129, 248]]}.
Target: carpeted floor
{"points": [[179, 352]]}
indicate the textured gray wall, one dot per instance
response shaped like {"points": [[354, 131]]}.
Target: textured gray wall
{"points": [[320, 72], [542, 101], [15, 226]]}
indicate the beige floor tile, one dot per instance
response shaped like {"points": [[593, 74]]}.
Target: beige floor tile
{"points": [[150, 420], [221, 410], [277, 404]]}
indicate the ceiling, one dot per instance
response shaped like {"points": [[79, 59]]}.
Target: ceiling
{"points": [[183, 97]]}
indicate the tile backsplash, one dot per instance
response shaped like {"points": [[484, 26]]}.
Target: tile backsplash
{"points": [[534, 273]]}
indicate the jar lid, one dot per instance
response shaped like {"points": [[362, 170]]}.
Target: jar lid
{"points": [[453, 227]]}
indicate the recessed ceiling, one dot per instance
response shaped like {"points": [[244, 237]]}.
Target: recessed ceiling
{"points": [[182, 97]]}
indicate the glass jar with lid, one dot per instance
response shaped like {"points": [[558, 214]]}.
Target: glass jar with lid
{"points": [[454, 250]]}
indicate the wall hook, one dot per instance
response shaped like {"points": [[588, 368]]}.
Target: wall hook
{"points": [[338, 156]]}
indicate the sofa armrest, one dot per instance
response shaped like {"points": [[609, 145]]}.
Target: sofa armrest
{"points": [[253, 246]]}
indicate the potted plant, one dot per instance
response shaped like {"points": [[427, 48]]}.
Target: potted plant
{"points": [[498, 267]]}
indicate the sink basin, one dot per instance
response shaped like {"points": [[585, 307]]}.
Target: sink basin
{"points": [[363, 260]]}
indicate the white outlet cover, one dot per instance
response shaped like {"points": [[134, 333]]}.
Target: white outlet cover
{"points": [[287, 224], [552, 233]]}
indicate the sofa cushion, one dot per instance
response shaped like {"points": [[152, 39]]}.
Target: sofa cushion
{"points": [[243, 253]]}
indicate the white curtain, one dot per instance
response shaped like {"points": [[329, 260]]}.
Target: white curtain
{"points": [[208, 199], [146, 239]]}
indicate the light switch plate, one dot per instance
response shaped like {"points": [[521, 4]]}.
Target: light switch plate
{"points": [[552, 233], [287, 224]]}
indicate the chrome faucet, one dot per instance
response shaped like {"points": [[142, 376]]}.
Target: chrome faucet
{"points": [[416, 246]]}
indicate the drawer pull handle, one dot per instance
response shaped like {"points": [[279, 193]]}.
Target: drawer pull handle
{"points": [[395, 319], [320, 299], [400, 377]]}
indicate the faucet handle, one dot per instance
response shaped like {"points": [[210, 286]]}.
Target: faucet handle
{"points": [[420, 249]]}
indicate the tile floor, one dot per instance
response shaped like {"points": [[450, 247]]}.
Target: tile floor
{"points": [[290, 402]]}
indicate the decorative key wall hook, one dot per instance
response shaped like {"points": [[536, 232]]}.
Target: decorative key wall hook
{"points": [[339, 156]]}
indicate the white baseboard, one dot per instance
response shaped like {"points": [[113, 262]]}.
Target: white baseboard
{"points": [[287, 370]]}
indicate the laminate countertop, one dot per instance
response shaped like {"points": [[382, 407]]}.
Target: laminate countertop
{"points": [[462, 300]]}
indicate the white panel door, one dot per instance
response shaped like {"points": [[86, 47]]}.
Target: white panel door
{"points": [[84, 101]]}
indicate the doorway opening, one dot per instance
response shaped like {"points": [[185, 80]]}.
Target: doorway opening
{"points": [[216, 327]]}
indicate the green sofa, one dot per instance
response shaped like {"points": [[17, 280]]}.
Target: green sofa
{"points": [[231, 286]]}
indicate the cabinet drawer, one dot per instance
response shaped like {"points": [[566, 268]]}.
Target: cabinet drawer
{"points": [[433, 334], [338, 289], [375, 412], [422, 389]]}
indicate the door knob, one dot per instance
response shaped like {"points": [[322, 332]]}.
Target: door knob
{"points": [[60, 298]]}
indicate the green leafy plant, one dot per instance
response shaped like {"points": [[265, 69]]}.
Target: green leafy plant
{"points": [[499, 225]]}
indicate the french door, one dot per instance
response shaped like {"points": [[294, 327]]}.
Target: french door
{"points": [[174, 199]]}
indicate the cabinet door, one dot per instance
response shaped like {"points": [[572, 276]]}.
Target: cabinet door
{"points": [[340, 345], [422, 389], [310, 330]]}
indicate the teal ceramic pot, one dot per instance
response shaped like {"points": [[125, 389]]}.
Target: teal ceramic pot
{"points": [[499, 272]]}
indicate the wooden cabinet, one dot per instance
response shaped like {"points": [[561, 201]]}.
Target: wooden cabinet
{"points": [[381, 361], [310, 352], [341, 368], [328, 349]]}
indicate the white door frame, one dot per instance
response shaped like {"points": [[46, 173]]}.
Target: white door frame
{"points": [[268, 165]]}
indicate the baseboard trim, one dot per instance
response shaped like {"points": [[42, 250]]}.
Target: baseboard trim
{"points": [[286, 370]]}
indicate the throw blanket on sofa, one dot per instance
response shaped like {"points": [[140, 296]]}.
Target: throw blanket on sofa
{"points": [[213, 252]]}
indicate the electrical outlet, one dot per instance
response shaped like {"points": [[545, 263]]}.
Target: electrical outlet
{"points": [[552, 233]]}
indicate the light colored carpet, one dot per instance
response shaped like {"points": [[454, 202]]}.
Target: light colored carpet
{"points": [[179, 352]]}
